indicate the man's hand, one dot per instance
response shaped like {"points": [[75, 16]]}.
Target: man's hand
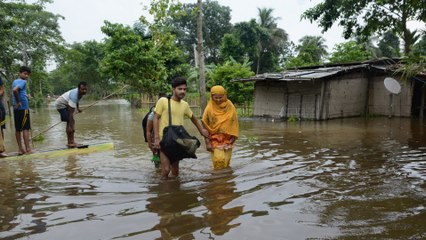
{"points": [[17, 105], [209, 146], [205, 133], [151, 147], [157, 143]]}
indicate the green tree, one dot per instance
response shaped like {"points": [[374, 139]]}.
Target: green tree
{"points": [[245, 36], [348, 52], [419, 49], [29, 36], [413, 66], [295, 62], [193, 76], [223, 75], [311, 51], [368, 45], [389, 45], [81, 62], [216, 23], [145, 57], [365, 18], [261, 41], [231, 46], [272, 45], [126, 53], [415, 63], [266, 19]]}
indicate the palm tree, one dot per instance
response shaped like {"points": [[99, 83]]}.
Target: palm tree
{"points": [[312, 49], [389, 45], [272, 41], [266, 19], [368, 44]]}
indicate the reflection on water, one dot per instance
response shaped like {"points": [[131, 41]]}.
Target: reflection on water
{"points": [[173, 206], [217, 193], [340, 179]]}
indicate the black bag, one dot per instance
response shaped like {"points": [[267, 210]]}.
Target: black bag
{"points": [[145, 122], [177, 144]]}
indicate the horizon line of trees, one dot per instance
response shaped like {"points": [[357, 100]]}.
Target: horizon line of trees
{"points": [[147, 55]]}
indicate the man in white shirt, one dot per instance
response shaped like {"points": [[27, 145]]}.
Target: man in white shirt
{"points": [[66, 105]]}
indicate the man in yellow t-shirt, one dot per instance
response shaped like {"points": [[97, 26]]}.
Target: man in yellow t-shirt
{"points": [[179, 109]]}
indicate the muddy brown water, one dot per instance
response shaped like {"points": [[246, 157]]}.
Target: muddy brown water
{"points": [[340, 179]]}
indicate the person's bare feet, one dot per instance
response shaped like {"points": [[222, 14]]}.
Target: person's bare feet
{"points": [[21, 151], [76, 145], [3, 154]]}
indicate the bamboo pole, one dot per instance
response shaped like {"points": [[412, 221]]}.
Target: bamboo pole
{"points": [[200, 57]]}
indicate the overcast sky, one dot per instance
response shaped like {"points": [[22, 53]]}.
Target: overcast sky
{"points": [[84, 18]]}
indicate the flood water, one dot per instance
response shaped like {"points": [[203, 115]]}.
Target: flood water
{"points": [[340, 179]]}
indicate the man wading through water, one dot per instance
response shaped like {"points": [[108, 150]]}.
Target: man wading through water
{"points": [[179, 109]]}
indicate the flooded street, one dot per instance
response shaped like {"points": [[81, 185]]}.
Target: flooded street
{"points": [[340, 179]]}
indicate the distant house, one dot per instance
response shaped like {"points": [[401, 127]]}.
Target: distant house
{"points": [[338, 91]]}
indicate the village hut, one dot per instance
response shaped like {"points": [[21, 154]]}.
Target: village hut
{"points": [[336, 91]]}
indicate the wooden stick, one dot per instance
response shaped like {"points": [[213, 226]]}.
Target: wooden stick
{"points": [[91, 105], [108, 96]]}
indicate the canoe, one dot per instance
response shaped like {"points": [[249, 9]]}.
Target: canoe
{"points": [[60, 152]]}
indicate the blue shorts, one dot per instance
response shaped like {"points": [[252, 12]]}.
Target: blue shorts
{"points": [[64, 114], [22, 119]]}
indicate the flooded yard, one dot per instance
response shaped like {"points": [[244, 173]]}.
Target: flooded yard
{"points": [[340, 179]]}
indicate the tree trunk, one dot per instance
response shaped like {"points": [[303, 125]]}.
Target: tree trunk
{"points": [[405, 32], [201, 67], [422, 102], [407, 42]]}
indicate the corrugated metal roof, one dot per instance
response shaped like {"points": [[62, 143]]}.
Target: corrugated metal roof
{"points": [[304, 75]]}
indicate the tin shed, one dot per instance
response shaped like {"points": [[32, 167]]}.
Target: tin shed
{"points": [[330, 92]]}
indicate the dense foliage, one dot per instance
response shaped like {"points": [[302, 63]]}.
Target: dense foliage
{"points": [[216, 23], [311, 51], [223, 75], [147, 55], [29, 36], [348, 52], [365, 18], [81, 62], [389, 45], [261, 41]]}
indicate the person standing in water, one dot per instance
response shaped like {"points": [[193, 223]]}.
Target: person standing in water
{"points": [[220, 119], [2, 119], [149, 131], [66, 104], [21, 110], [179, 109]]}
